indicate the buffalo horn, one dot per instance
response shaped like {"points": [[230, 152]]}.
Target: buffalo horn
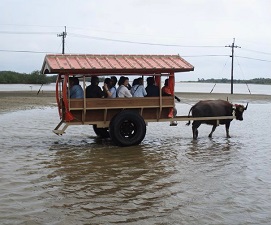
{"points": [[246, 106]]}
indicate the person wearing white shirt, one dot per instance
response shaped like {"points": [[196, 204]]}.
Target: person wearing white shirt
{"points": [[123, 91]]}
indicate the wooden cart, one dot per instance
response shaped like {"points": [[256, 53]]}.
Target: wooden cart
{"points": [[122, 119]]}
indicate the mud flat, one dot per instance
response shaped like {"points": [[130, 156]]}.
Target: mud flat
{"points": [[21, 100]]}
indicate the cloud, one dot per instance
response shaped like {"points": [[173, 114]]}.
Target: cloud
{"points": [[183, 23]]}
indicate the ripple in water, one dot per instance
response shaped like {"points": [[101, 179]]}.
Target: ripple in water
{"points": [[168, 179]]}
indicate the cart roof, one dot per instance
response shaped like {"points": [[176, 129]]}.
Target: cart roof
{"points": [[113, 64]]}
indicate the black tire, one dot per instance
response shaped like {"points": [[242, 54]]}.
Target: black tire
{"points": [[127, 128], [101, 132]]}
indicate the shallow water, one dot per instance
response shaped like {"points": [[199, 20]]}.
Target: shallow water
{"points": [[179, 87], [168, 179]]}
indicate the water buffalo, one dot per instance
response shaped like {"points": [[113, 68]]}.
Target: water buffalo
{"points": [[212, 108]]}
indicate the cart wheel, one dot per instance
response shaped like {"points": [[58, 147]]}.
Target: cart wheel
{"points": [[127, 128], [101, 132]]}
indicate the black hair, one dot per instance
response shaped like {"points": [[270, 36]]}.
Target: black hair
{"points": [[114, 80], [166, 82], [94, 80], [75, 80], [107, 81], [122, 80], [140, 80], [135, 82], [150, 81]]}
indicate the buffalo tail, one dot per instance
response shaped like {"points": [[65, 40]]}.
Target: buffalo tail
{"points": [[188, 123]]}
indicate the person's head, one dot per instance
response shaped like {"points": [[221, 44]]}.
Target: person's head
{"points": [[126, 82], [123, 81], [140, 81], [135, 82], [73, 81], [114, 80], [108, 82], [166, 82], [94, 80], [150, 81]]}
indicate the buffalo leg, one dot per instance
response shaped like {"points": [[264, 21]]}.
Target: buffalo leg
{"points": [[227, 126], [213, 129], [195, 132]]}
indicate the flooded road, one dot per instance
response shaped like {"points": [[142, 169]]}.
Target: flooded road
{"points": [[168, 179]]}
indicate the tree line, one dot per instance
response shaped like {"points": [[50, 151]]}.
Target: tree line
{"points": [[35, 77], [224, 80]]}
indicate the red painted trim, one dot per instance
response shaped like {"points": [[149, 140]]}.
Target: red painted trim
{"points": [[68, 115], [57, 96]]}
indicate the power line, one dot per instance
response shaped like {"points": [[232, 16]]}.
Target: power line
{"points": [[124, 33], [266, 53], [125, 41], [142, 43], [26, 51], [26, 25], [29, 51], [110, 39], [102, 38], [24, 32], [253, 58], [203, 55], [243, 76], [64, 34]]}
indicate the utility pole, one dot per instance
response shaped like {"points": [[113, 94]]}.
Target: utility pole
{"points": [[232, 46], [63, 35]]}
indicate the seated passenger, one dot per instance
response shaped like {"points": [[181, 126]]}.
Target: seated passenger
{"points": [[138, 89], [167, 92], [76, 91], [151, 89], [135, 83], [93, 90], [129, 85], [123, 91], [113, 89], [106, 87]]}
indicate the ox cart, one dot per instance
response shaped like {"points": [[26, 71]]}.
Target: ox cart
{"points": [[124, 120]]}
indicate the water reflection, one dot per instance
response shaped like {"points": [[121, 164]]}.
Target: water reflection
{"points": [[110, 182], [211, 147]]}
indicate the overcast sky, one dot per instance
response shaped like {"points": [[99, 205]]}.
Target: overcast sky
{"points": [[197, 30]]}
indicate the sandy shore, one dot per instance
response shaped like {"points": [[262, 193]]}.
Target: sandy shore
{"points": [[21, 100]]}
